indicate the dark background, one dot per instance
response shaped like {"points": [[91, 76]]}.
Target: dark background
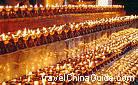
{"points": [[131, 6]]}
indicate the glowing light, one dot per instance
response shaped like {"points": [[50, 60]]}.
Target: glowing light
{"points": [[104, 2]]}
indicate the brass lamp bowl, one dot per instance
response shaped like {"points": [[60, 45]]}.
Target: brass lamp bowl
{"points": [[25, 37], [1, 9], [15, 39], [15, 9], [33, 36], [8, 9], [42, 8], [30, 9], [59, 31], [22, 9], [66, 30], [6, 42], [36, 8], [52, 32], [46, 34], [38, 35]]}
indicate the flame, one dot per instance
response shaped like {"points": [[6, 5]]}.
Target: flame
{"points": [[38, 31], [24, 34], [57, 67], [3, 83], [41, 5], [6, 6], [32, 32], [59, 30], [64, 66], [36, 6], [44, 29], [1, 7], [4, 37], [18, 32], [31, 6], [30, 73], [16, 6]]}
